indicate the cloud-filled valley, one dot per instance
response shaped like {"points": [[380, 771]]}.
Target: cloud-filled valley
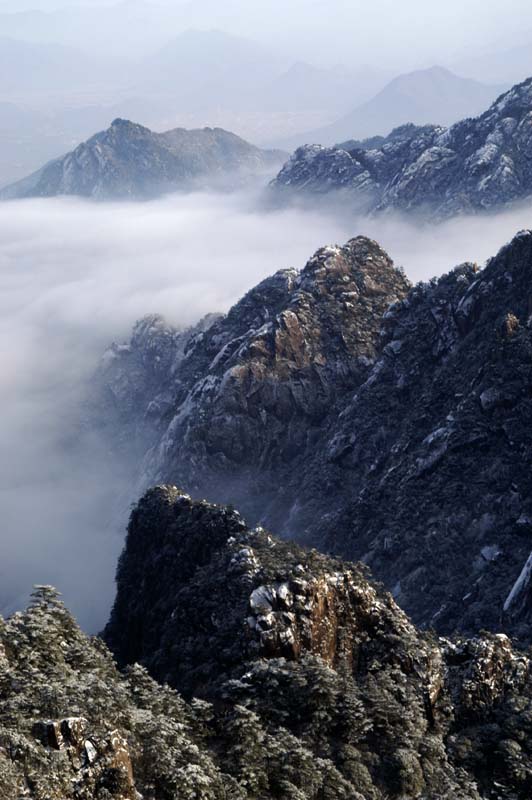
{"points": [[75, 276]]}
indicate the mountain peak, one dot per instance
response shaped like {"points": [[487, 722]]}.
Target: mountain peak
{"points": [[358, 253], [126, 123], [255, 580], [361, 268], [130, 161]]}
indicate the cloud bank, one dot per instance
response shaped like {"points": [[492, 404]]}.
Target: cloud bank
{"points": [[75, 276]]}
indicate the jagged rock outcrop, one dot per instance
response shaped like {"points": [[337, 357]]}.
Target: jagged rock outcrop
{"points": [[195, 580], [309, 645], [475, 165], [401, 440], [235, 404], [129, 161]]}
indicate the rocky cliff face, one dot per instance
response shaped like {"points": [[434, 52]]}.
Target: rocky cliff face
{"points": [[318, 653], [393, 434], [434, 449], [235, 404], [130, 161], [475, 165]]}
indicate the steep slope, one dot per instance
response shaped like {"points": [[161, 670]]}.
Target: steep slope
{"points": [[475, 165], [230, 409], [420, 97], [316, 654], [434, 448], [128, 160], [398, 435]]}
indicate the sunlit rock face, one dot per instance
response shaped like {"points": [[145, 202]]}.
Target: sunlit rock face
{"points": [[128, 161], [231, 406], [233, 615], [476, 165]]}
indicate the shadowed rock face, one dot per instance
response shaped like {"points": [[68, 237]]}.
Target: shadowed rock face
{"points": [[398, 435], [232, 614], [475, 165], [436, 448], [130, 161], [194, 580]]}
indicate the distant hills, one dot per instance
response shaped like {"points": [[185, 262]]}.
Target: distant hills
{"points": [[198, 78], [129, 161], [433, 95], [32, 67]]}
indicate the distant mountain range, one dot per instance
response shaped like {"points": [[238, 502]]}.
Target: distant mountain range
{"points": [[198, 78], [433, 95], [208, 68], [199, 66], [130, 161], [476, 165], [305, 86]]}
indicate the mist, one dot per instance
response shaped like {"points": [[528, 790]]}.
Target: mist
{"points": [[75, 276], [403, 35]]}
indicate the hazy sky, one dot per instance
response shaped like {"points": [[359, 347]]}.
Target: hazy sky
{"points": [[379, 32]]}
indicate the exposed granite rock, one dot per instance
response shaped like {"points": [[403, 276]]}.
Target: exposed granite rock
{"points": [[130, 161], [97, 762], [475, 165], [232, 614], [232, 405]]}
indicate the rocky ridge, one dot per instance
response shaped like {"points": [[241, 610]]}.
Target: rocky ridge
{"points": [[227, 406], [479, 164], [370, 419], [129, 161]]}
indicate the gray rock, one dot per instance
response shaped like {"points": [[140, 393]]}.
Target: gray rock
{"points": [[475, 165]]}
